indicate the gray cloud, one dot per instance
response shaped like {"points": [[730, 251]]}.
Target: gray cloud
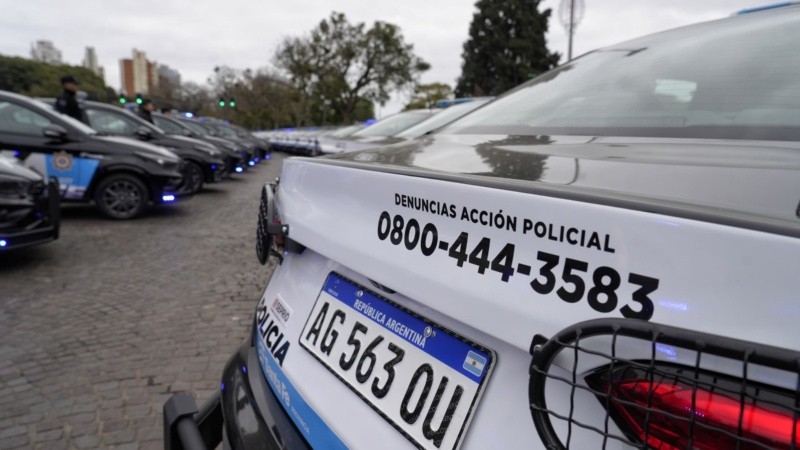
{"points": [[194, 36]]}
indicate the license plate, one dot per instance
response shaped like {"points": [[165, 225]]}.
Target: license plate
{"points": [[421, 377]]}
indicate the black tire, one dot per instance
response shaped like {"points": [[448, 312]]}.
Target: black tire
{"points": [[121, 196], [194, 176]]}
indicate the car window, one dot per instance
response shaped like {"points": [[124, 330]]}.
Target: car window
{"points": [[394, 124], [736, 79], [196, 128], [441, 119], [168, 126], [20, 120], [110, 123]]}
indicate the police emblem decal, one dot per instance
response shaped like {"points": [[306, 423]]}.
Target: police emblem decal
{"points": [[62, 161]]}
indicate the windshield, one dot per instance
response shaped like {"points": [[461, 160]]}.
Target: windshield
{"points": [[394, 124], [736, 79], [443, 118]]}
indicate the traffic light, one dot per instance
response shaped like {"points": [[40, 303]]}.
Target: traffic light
{"points": [[122, 100], [139, 99], [232, 103], [221, 102]]}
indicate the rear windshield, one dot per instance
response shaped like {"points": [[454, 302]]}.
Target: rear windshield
{"points": [[734, 79]]}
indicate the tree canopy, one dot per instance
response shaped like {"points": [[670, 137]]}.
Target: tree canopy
{"points": [[343, 64], [38, 79], [506, 47]]}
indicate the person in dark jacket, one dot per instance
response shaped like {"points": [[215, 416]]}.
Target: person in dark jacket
{"points": [[67, 103], [146, 109]]}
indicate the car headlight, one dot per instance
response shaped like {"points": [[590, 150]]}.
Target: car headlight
{"points": [[12, 187], [210, 150], [152, 157]]}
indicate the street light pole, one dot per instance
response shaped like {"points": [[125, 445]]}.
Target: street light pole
{"points": [[571, 28]]}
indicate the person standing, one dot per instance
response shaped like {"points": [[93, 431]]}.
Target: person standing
{"points": [[146, 109], [67, 102]]}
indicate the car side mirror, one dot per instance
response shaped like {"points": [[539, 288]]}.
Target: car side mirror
{"points": [[144, 133], [55, 132]]}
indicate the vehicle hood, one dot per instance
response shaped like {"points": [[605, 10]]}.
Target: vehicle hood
{"points": [[134, 145], [10, 166], [759, 179]]}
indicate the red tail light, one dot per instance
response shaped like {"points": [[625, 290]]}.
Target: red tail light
{"points": [[682, 416]]}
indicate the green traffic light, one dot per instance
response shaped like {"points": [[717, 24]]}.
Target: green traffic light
{"points": [[138, 101], [232, 103], [221, 104], [123, 100]]}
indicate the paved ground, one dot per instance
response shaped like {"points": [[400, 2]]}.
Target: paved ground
{"points": [[99, 328]]}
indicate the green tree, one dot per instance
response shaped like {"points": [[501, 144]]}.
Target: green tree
{"points": [[345, 64], [38, 79], [506, 47], [426, 95]]}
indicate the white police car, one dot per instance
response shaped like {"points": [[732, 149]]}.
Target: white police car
{"points": [[606, 257]]}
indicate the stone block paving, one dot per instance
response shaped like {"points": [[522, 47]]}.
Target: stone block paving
{"points": [[100, 327]]}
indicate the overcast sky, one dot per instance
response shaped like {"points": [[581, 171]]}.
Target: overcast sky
{"points": [[195, 36]]}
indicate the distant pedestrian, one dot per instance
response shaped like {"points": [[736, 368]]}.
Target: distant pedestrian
{"points": [[166, 111], [67, 103], [146, 110]]}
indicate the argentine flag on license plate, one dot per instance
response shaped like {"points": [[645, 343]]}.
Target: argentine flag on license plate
{"points": [[474, 363]]}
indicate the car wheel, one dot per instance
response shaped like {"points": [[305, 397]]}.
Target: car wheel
{"points": [[194, 177], [121, 196]]}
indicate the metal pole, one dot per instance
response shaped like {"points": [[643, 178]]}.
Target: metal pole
{"points": [[571, 27]]}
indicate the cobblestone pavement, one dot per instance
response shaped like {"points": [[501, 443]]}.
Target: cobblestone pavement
{"points": [[99, 328]]}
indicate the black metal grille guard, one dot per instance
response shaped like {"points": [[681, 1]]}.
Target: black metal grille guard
{"points": [[544, 351]]}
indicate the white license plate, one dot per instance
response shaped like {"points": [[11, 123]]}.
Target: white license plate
{"points": [[422, 378]]}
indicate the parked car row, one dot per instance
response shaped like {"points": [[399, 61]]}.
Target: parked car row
{"points": [[391, 130], [121, 163]]}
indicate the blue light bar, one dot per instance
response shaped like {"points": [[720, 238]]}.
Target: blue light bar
{"points": [[167, 198], [239, 170], [3, 243], [189, 115], [251, 163], [213, 167], [765, 8], [267, 156]]}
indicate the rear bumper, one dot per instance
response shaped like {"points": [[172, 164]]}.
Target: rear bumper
{"points": [[245, 413]]}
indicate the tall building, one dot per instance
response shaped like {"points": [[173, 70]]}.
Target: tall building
{"points": [[45, 51], [90, 62], [138, 75]]}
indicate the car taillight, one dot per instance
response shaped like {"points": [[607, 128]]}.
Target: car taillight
{"points": [[667, 414], [653, 386]]}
